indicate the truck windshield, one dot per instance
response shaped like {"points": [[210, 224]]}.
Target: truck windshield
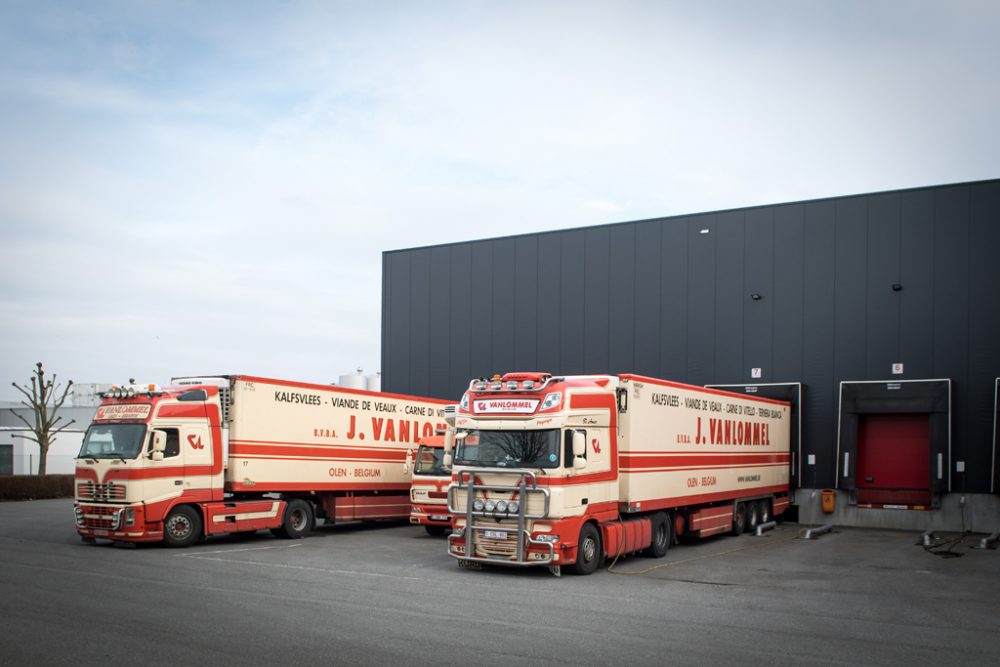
{"points": [[113, 441], [509, 449], [429, 461]]}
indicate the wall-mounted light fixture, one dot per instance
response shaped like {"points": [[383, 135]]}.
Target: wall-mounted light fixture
{"points": [[704, 231], [896, 287], [756, 297]]}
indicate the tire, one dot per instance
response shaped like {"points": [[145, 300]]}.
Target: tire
{"points": [[739, 520], [436, 531], [298, 520], [182, 527], [662, 536], [753, 516], [765, 511], [588, 551]]}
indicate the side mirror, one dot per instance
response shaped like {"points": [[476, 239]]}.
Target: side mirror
{"points": [[449, 441], [159, 442], [406, 461], [157, 456], [446, 461], [579, 450]]}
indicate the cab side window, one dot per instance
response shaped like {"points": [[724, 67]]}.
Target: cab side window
{"points": [[173, 446]]}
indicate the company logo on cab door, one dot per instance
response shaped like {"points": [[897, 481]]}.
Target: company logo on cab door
{"points": [[509, 405]]}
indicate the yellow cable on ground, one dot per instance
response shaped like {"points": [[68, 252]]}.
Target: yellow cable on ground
{"points": [[704, 556]]}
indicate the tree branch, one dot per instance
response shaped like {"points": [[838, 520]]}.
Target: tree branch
{"points": [[63, 427], [26, 423]]}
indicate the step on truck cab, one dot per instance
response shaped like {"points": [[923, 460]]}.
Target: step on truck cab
{"points": [[565, 471], [237, 454]]}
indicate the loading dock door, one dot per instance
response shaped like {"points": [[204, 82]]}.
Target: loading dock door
{"points": [[781, 391], [885, 414], [893, 466]]}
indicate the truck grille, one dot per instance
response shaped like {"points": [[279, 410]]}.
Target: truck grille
{"points": [[107, 492], [495, 547], [99, 517]]}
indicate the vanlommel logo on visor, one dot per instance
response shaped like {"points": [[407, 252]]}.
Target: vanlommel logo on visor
{"points": [[126, 411], [505, 405]]}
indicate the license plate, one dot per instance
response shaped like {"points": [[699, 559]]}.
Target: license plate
{"points": [[439, 517], [495, 534], [102, 533]]}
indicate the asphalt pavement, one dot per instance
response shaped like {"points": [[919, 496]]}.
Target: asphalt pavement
{"points": [[377, 594]]}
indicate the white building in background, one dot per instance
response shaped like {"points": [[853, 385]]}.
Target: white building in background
{"points": [[19, 453]]}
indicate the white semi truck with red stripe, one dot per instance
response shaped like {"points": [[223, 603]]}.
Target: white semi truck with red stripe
{"points": [[566, 471], [429, 487], [237, 454]]}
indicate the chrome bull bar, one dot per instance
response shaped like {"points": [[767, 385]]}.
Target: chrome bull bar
{"points": [[526, 484]]}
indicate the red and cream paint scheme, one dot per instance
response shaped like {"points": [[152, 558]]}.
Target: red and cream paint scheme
{"points": [[228, 454], [639, 461], [429, 487]]}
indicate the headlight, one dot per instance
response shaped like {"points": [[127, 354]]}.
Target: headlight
{"points": [[552, 400], [477, 505], [547, 537], [513, 506], [129, 516], [501, 506], [490, 505]]}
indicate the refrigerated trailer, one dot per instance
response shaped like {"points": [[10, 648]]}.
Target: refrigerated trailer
{"points": [[237, 454], [564, 471]]}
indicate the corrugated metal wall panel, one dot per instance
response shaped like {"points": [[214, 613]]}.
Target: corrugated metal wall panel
{"points": [[984, 323], [758, 316], [729, 297], [660, 298], [882, 303], [789, 301]]}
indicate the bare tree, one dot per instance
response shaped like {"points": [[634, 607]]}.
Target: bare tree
{"points": [[44, 400]]}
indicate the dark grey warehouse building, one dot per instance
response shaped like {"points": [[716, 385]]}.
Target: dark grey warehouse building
{"points": [[876, 315]]}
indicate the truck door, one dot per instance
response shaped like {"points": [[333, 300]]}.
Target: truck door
{"points": [[196, 442], [166, 480]]}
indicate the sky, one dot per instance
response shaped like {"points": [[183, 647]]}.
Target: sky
{"points": [[199, 188]]}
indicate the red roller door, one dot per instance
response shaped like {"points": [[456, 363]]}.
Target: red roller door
{"points": [[894, 459]]}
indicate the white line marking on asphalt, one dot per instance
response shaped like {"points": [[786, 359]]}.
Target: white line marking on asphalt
{"points": [[229, 551]]}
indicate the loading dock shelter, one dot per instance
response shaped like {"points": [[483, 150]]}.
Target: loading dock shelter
{"points": [[852, 293]]}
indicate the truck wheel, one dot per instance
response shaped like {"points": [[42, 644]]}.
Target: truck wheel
{"points": [[739, 519], [182, 527], [588, 550], [434, 530], [661, 536], [753, 517], [298, 520], [765, 511]]}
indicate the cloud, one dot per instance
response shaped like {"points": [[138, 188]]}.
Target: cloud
{"points": [[195, 188]]}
